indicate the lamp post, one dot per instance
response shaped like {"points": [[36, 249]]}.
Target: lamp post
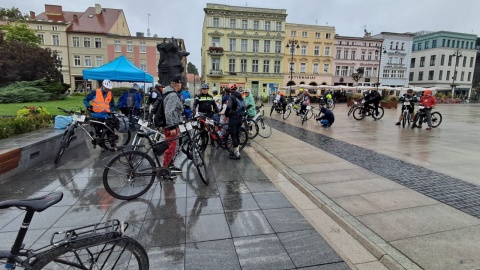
{"points": [[457, 54], [381, 50], [292, 45]]}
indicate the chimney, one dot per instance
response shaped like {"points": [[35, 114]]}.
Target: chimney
{"points": [[75, 17], [53, 9], [32, 15], [140, 34], [98, 9]]}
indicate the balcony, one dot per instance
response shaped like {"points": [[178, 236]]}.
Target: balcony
{"points": [[215, 50], [215, 73]]}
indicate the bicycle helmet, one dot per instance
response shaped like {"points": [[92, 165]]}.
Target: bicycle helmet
{"points": [[107, 84], [281, 94], [205, 86], [247, 90], [410, 91]]}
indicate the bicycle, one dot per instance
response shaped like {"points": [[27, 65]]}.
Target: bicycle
{"points": [[329, 104], [359, 112], [353, 107], [258, 125], [131, 173], [407, 105], [98, 246], [421, 117], [307, 115], [103, 133]]}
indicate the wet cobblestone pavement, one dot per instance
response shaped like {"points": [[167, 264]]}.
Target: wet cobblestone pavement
{"points": [[239, 221], [452, 191]]}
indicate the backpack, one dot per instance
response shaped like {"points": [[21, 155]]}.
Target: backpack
{"points": [[238, 107], [131, 100], [159, 118]]}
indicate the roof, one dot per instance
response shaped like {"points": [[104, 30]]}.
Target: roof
{"points": [[66, 16], [89, 22], [119, 70]]}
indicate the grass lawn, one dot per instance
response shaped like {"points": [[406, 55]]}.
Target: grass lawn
{"points": [[71, 102]]}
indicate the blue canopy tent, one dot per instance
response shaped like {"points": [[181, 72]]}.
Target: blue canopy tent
{"points": [[119, 70]]}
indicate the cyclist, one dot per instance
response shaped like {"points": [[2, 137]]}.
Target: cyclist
{"points": [[249, 100], [205, 102], [100, 102], [304, 100], [174, 114], [374, 98], [408, 97], [328, 97], [429, 101], [235, 119]]}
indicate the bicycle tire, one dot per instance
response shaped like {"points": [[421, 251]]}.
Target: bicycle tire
{"points": [[129, 175], [264, 127], [381, 112], [287, 113], [202, 139], [331, 106], [309, 114], [351, 110], [436, 119], [109, 141], [255, 130], [199, 163], [64, 144], [415, 120], [404, 119], [186, 147], [108, 251], [241, 144], [358, 113]]}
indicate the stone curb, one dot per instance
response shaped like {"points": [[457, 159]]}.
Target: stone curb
{"points": [[388, 255]]}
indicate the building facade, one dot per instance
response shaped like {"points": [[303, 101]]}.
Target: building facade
{"points": [[309, 57], [245, 46], [445, 60], [352, 53], [395, 57]]}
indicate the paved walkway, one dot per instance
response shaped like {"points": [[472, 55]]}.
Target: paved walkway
{"points": [[412, 195]]}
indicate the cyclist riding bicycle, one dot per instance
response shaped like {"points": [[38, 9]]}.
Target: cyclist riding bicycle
{"points": [[304, 100], [408, 97], [374, 98]]}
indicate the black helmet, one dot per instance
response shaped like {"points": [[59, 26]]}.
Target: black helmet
{"points": [[410, 91]]}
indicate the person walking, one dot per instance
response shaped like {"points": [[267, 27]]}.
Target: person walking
{"points": [[235, 110]]}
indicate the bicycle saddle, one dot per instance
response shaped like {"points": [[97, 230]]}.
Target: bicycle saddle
{"points": [[37, 204], [145, 134]]}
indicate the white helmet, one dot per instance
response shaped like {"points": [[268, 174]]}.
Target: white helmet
{"points": [[107, 84]]}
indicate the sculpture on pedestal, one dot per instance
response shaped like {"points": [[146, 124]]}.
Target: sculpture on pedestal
{"points": [[170, 63]]}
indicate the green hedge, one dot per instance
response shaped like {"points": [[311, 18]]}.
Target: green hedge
{"points": [[15, 126], [23, 94], [118, 91]]}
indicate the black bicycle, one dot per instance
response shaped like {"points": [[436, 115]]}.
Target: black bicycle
{"points": [[130, 174], [421, 117], [98, 246], [360, 112]]}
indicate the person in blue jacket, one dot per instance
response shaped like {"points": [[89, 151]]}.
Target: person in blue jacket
{"points": [[327, 118], [130, 102]]}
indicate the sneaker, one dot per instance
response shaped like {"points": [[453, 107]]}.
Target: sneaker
{"points": [[233, 156], [397, 124], [428, 128], [237, 154]]}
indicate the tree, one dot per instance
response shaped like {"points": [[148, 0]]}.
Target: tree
{"points": [[358, 74], [13, 14], [20, 32], [192, 69]]}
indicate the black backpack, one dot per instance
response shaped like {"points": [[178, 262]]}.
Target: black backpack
{"points": [[159, 118]]}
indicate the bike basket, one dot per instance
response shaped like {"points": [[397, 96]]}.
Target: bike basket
{"points": [[185, 126], [160, 148], [79, 118], [72, 235]]}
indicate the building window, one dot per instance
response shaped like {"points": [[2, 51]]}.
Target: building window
{"points": [[98, 43], [304, 50], [293, 33], [422, 61], [386, 73], [432, 60], [430, 75], [244, 24], [440, 75], [143, 65], [256, 43], [352, 55], [449, 60], [76, 41], [327, 51], [339, 53], [39, 27], [362, 56], [266, 46], [278, 46], [427, 45], [448, 43], [233, 44], [337, 71], [88, 61], [326, 68], [55, 40], [216, 22], [344, 71], [368, 72], [99, 60], [276, 66], [403, 46], [255, 66], [215, 64], [448, 75], [464, 64], [304, 34], [256, 25], [267, 26], [469, 76], [462, 76], [391, 45], [420, 76], [328, 36], [143, 47], [471, 61], [243, 65], [369, 56], [244, 45], [443, 42], [442, 60], [434, 43], [266, 66], [292, 67], [118, 46], [42, 40], [129, 46], [278, 26], [215, 42], [410, 77], [317, 35], [303, 67], [86, 42], [345, 54], [76, 61], [231, 65], [315, 68], [233, 23]]}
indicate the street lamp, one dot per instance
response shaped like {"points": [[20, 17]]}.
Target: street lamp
{"points": [[292, 44], [457, 54], [380, 50]]}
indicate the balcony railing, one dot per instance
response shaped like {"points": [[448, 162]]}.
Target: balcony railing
{"points": [[215, 50], [215, 73]]}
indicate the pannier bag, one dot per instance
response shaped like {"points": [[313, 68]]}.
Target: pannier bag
{"points": [[62, 121]]}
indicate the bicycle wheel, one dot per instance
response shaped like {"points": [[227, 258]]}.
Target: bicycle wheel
{"points": [[199, 162], [380, 113], [404, 119], [436, 119], [358, 113], [129, 175], [110, 141], [287, 113], [351, 110], [108, 251], [331, 105], [241, 144], [64, 144], [309, 114], [264, 127], [253, 130], [415, 120], [202, 139]]}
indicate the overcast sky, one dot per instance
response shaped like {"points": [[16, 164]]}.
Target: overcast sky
{"points": [[184, 18]]}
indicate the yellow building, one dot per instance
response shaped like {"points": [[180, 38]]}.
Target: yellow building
{"points": [[245, 46], [309, 57]]}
